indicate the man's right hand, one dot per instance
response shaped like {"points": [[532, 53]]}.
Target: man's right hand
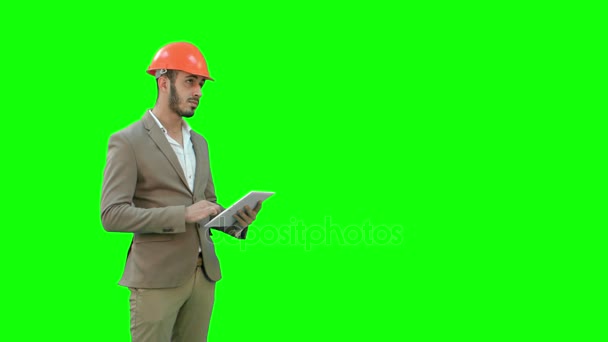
{"points": [[201, 210]]}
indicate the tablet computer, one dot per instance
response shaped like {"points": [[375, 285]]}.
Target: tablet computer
{"points": [[225, 219]]}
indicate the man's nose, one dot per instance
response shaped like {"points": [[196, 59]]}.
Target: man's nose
{"points": [[198, 92]]}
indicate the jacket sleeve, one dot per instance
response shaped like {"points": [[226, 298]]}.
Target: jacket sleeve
{"points": [[118, 214]]}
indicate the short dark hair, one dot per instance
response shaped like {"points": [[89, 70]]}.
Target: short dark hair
{"points": [[171, 75]]}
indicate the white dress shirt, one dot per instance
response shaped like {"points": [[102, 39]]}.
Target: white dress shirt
{"points": [[185, 154]]}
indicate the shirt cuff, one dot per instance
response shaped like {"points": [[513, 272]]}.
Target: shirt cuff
{"points": [[238, 232]]}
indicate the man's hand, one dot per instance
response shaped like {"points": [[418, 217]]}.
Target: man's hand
{"points": [[201, 210], [245, 217]]}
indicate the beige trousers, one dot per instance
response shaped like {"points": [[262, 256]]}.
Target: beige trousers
{"points": [[178, 314]]}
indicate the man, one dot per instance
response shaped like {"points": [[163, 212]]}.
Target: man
{"points": [[158, 185]]}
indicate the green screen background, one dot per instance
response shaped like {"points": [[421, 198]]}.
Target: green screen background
{"points": [[437, 166]]}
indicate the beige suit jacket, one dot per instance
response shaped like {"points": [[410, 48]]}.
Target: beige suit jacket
{"points": [[145, 192]]}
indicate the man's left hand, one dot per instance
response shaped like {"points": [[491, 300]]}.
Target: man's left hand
{"points": [[245, 217]]}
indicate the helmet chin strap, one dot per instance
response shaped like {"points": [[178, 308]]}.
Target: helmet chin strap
{"points": [[160, 72]]}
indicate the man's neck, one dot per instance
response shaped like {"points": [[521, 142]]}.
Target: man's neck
{"points": [[170, 120]]}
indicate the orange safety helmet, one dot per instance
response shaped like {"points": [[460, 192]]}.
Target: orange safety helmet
{"points": [[179, 56]]}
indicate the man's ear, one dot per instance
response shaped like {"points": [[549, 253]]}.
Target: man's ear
{"points": [[163, 84]]}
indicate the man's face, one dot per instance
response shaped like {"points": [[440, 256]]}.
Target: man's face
{"points": [[185, 93]]}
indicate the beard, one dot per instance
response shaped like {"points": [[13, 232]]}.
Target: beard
{"points": [[174, 101]]}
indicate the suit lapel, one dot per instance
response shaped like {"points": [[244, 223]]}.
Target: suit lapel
{"points": [[161, 141], [200, 151]]}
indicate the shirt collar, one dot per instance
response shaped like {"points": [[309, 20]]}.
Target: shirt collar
{"points": [[185, 127]]}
